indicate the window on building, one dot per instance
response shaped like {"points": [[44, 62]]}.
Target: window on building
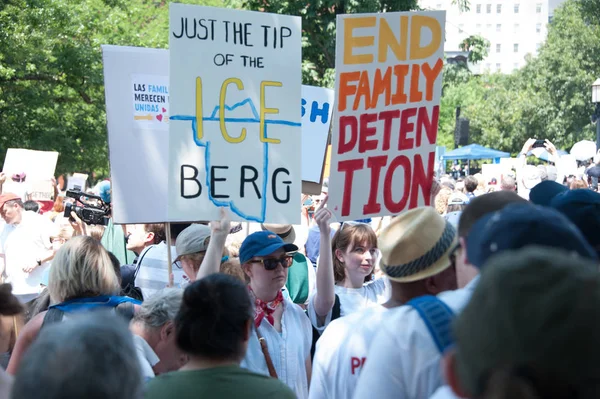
{"points": [[538, 28], [538, 8], [438, 6], [478, 8], [488, 8], [498, 8], [498, 27], [478, 27], [516, 47], [516, 66], [498, 48], [488, 26], [498, 67], [537, 46], [516, 28], [460, 28], [516, 8], [488, 66]]}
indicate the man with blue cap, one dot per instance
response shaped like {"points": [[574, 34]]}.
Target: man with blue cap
{"points": [[514, 226], [281, 338]]}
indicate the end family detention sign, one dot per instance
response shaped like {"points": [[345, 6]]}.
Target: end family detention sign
{"points": [[388, 88], [235, 124]]}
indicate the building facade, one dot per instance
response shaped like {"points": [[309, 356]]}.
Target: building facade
{"points": [[514, 28]]}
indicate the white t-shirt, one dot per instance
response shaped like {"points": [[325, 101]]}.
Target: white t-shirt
{"points": [[22, 245], [288, 349], [444, 392], [341, 353], [404, 362], [153, 274], [147, 358], [353, 300]]}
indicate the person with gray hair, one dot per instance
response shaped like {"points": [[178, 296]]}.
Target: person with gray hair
{"points": [[154, 333], [87, 356]]}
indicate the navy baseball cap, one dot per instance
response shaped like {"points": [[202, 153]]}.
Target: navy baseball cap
{"points": [[544, 192], [521, 225], [263, 243], [582, 207]]}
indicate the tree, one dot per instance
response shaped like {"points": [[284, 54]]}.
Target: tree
{"points": [[51, 79]]}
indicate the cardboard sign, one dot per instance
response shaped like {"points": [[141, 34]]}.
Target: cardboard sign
{"points": [[388, 88], [39, 168], [136, 85], [235, 125], [77, 182], [317, 106]]}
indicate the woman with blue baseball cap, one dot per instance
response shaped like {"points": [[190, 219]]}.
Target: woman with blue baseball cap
{"points": [[281, 335]]}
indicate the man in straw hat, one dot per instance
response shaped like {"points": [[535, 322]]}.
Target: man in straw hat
{"points": [[409, 355], [416, 249], [301, 278]]}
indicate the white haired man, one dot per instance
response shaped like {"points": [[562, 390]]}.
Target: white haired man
{"points": [[154, 333]]}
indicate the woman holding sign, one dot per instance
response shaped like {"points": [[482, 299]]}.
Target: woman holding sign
{"points": [[281, 336], [345, 271]]}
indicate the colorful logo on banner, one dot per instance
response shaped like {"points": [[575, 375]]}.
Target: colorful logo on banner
{"points": [[150, 101]]}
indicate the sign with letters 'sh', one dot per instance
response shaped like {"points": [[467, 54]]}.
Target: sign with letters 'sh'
{"points": [[317, 107], [235, 115], [388, 89]]}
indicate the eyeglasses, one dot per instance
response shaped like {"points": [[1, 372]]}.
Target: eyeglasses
{"points": [[177, 264], [271, 263]]}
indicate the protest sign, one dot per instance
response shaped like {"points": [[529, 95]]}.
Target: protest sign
{"points": [[388, 88], [317, 106], [235, 125], [38, 166], [137, 98], [78, 181]]}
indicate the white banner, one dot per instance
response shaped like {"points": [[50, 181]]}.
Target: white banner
{"points": [[317, 106], [235, 138], [38, 166], [137, 103]]}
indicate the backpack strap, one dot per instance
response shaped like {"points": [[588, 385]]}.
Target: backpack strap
{"points": [[53, 315], [437, 317], [336, 311]]}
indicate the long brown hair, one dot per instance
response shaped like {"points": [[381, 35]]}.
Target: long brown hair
{"points": [[350, 236]]}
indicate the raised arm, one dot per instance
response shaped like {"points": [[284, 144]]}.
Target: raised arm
{"points": [[325, 295], [214, 252]]}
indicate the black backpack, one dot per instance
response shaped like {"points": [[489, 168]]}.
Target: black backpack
{"points": [[335, 314]]}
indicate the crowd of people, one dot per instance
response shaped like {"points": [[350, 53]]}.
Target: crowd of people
{"points": [[492, 291]]}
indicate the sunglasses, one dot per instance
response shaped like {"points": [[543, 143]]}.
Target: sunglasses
{"points": [[271, 263]]}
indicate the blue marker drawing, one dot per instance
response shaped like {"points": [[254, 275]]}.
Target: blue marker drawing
{"points": [[206, 145]]}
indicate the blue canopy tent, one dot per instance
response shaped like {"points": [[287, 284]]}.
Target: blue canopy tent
{"points": [[475, 151]]}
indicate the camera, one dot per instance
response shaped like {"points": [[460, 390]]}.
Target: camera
{"points": [[92, 210]]}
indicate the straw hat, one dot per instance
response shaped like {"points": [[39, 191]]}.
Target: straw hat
{"points": [[285, 231], [416, 245]]}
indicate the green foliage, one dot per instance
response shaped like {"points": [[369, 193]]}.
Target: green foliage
{"points": [[51, 80], [477, 46], [549, 98]]}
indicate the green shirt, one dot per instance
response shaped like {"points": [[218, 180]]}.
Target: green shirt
{"points": [[219, 382], [297, 281]]}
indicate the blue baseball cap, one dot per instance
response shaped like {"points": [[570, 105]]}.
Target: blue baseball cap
{"points": [[582, 208], [263, 243], [544, 192], [104, 191], [521, 225]]}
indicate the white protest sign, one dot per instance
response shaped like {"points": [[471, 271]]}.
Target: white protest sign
{"points": [[388, 88], [235, 136], [317, 106], [38, 166], [137, 103], [77, 182], [492, 171]]}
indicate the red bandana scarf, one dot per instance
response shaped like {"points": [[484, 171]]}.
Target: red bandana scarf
{"points": [[264, 309]]}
